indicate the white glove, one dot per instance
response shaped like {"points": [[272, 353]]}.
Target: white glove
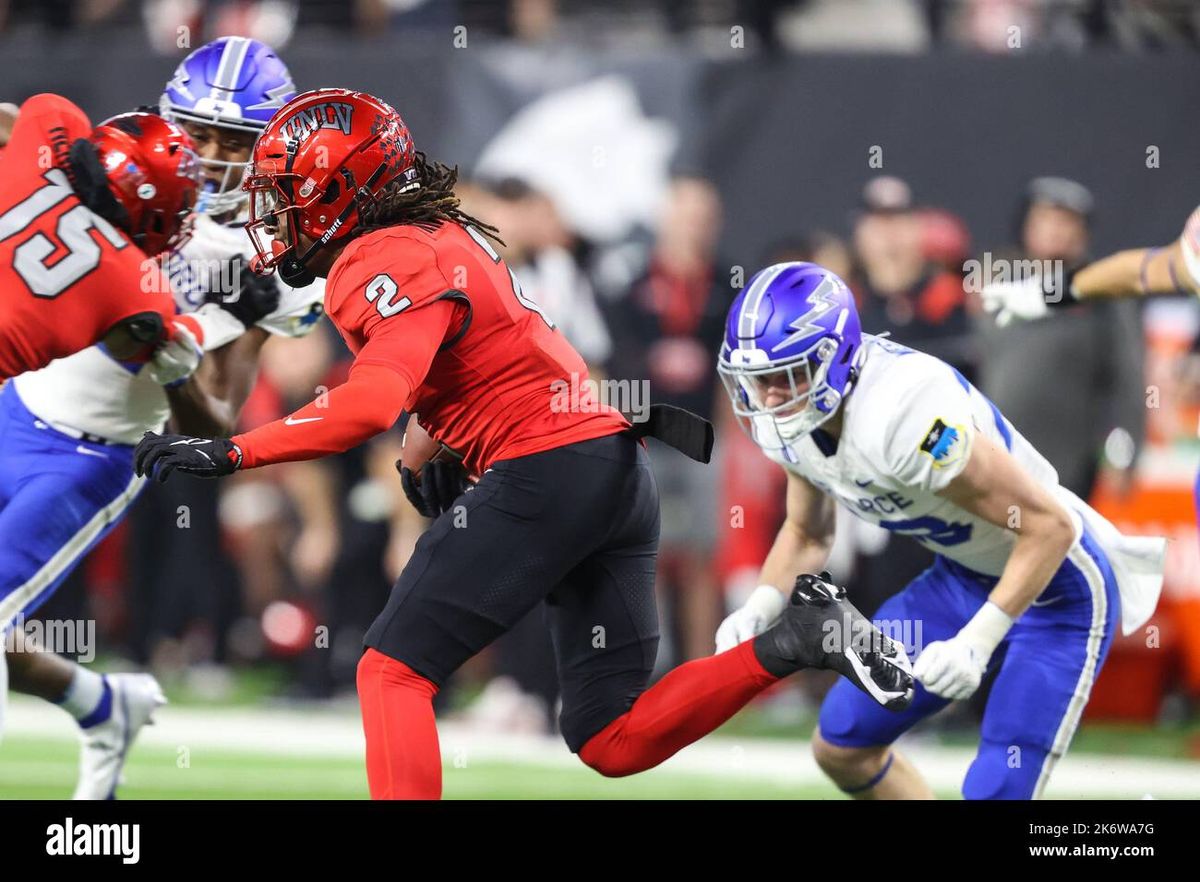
{"points": [[950, 668], [175, 360], [954, 668], [760, 611], [1024, 300]]}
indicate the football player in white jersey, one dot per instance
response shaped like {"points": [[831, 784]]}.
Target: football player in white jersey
{"points": [[1028, 581], [94, 408]]}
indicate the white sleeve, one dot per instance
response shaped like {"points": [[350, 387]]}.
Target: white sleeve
{"points": [[926, 428], [299, 310], [1189, 243], [219, 326]]}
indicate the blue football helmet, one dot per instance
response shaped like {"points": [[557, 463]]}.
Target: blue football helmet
{"points": [[792, 345], [232, 83]]}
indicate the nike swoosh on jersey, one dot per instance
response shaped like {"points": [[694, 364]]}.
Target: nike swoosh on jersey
{"points": [[81, 449], [294, 422]]}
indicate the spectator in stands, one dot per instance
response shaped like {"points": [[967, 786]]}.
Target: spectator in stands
{"points": [[902, 291], [540, 250], [1096, 351], [666, 331], [899, 289]]}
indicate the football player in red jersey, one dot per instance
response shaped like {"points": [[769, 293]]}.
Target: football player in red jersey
{"points": [[80, 211], [563, 508]]}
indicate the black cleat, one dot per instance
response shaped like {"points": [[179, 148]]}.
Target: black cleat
{"points": [[820, 628]]}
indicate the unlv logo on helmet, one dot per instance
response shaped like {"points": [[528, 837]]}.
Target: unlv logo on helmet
{"points": [[310, 173], [329, 115]]}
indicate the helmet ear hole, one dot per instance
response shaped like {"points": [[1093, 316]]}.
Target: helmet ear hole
{"points": [[331, 192]]}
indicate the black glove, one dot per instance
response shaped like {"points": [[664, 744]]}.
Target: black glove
{"points": [[1056, 299], [158, 455], [440, 483], [257, 297]]}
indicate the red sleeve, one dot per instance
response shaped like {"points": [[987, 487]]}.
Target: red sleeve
{"points": [[389, 367], [130, 284], [46, 122]]}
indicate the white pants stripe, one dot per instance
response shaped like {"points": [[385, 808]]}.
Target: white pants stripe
{"points": [[1083, 686], [68, 555]]}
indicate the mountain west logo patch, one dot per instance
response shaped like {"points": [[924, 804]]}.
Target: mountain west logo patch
{"points": [[944, 443]]}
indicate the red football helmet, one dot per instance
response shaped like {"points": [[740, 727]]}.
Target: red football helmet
{"points": [[153, 174], [321, 156]]}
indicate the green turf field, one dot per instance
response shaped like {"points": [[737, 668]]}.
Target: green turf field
{"points": [[36, 769], [263, 749]]}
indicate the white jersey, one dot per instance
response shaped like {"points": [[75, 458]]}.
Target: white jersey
{"points": [[90, 392], [908, 428]]}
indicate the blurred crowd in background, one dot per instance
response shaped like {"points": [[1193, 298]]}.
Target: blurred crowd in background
{"points": [[874, 25], [290, 564], [284, 568]]}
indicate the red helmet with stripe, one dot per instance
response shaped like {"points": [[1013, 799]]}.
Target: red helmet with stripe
{"points": [[152, 173], [324, 154]]}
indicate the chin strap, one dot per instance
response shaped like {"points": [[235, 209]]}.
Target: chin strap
{"points": [[295, 273]]}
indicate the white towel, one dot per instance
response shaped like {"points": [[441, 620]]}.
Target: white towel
{"points": [[1137, 562]]}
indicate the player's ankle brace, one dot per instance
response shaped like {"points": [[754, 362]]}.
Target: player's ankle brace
{"points": [[875, 779]]}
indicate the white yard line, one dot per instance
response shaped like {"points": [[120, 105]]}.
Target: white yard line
{"points": [[325, 733]]}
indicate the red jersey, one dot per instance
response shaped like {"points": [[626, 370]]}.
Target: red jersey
{"points": [[439, 327], [67, 276]]}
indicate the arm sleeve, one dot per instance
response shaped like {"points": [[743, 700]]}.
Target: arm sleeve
{"points": [[46, 122], [390, 366], [132, 287], [300, 309], [926, 430]]}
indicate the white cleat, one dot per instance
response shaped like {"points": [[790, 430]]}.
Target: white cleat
{"points": [[104, 746]]}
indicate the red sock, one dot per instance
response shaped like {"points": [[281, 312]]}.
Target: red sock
{"points": [[683, 706], [403, 758]]}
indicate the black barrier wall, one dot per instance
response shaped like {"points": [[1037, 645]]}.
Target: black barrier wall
{"points": [[790, 144], [789, 141]]}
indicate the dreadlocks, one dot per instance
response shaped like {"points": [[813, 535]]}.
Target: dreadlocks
{"points": [[425, 200]]}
